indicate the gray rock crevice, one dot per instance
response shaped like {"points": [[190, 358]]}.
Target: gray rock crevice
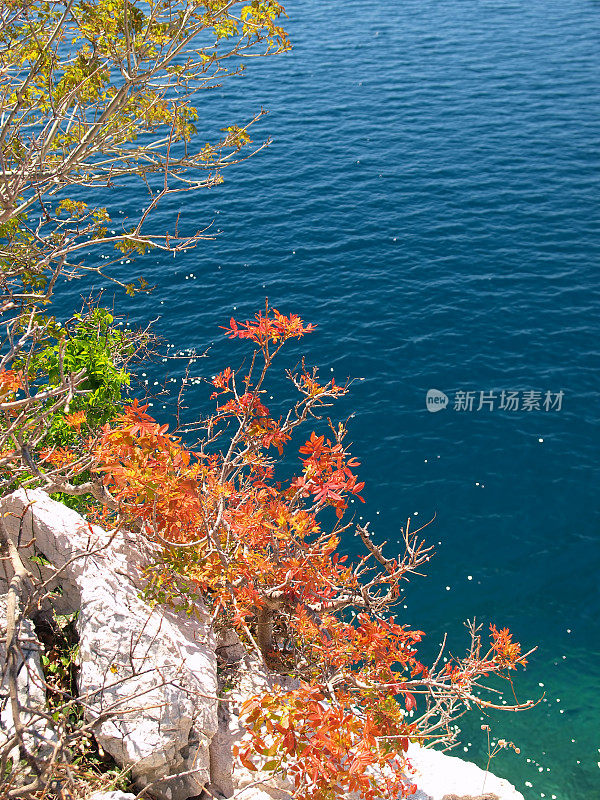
{"points": [[40, 738]]}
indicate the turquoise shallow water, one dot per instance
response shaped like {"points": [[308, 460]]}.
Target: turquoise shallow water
{"points": [[430, 200]]}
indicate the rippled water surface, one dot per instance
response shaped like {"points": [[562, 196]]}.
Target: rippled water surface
{"points": [[430, 200]]}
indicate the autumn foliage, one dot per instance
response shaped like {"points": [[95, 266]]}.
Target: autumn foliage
{"points": [[263, 553], [95, 95]]}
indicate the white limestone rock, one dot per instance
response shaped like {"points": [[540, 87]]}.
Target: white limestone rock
{"points": [[439, 775], [148, 676], [111, 796], [156, 670]]}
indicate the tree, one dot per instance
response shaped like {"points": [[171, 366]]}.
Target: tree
{"points": [[95, 94], [239, 536]]}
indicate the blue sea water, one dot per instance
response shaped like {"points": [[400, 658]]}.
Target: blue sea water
{"points": [[430, 201]]}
